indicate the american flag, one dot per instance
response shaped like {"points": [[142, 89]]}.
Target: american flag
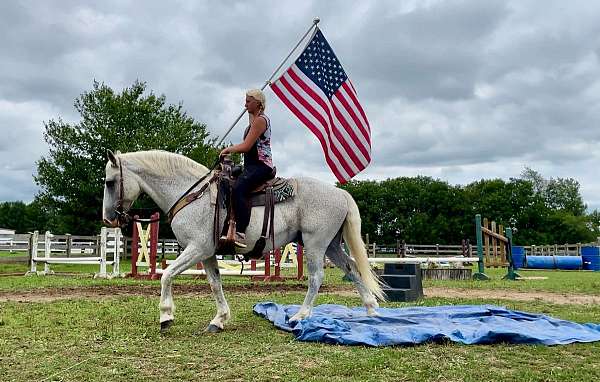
{"points": [[318, 91]]}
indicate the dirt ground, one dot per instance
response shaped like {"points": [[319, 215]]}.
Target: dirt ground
{"points": [[101, 292]]}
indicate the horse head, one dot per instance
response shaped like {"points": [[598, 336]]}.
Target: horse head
{"points": [[121, 189]]}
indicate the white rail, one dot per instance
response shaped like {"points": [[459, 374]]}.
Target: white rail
{"points": [[110, 241], [421, 260]]}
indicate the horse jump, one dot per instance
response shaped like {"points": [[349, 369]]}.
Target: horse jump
{"points": [[144, 249]]}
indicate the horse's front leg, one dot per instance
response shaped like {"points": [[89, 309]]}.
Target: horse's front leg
{"points": [[186, 259], [211, 266]]}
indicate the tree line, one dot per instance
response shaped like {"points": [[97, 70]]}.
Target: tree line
{"points": [[416, 209], [423, 210]]}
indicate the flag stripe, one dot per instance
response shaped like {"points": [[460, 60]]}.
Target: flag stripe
{"points": [[302, 101], [357, 109], [351, 113], [348, 124], [332, 161], [316, 94], [351, 142], [352, 95]]}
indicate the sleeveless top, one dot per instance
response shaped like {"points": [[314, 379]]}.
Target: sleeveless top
{"points": [[261, 150]]}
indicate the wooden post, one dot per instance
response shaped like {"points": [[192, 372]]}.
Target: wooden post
{"points": [[300, 258], [267, 265], [47, 250], [277, 254], [480, 274], [135, 238], [33, 250], [510, 274], [117, 253], [103, 241], [154, 246], [69, 243]]}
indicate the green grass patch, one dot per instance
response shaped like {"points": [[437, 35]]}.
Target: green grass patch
{"points": [[13, 254], [585, 282], [118, 339], [99, 339]]}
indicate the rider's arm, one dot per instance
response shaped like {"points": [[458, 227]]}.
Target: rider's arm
{"points": [[257, 127]]}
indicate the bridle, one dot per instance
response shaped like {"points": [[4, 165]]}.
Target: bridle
{"points": [[123, 217]]}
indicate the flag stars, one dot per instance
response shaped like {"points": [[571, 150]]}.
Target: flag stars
{"points": [[321, 65]]}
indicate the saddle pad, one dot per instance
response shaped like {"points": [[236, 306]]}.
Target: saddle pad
{"points": [[283, 189], [467, 324]]}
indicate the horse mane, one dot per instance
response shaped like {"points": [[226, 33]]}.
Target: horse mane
{"points": [[164, 163]]}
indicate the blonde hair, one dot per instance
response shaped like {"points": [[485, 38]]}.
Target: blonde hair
{"points": [[258, 95]]}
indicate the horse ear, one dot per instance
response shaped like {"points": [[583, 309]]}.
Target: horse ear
{"points": [[112, 158]]}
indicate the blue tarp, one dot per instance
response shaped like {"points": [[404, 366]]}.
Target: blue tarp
{"points": [[467, 324]]}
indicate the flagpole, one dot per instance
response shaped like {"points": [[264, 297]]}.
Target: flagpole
{"points": [[267, 82]]}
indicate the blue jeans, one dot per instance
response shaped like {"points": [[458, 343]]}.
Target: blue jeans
{"points": [[253, 176]]}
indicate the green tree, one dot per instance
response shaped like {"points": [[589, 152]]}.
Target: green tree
{"points": [[558, 193], [369, 202], [71, 175], [594, 223], [416, 210], [13, 216], [23, 217]]}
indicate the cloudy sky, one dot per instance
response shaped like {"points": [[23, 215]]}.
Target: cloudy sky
{"points": [[457, 90]]}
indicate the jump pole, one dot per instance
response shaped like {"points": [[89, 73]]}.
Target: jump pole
{"points": [[480, 275]]}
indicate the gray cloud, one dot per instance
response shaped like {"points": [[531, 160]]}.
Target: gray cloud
{"points": [[460, 90]]}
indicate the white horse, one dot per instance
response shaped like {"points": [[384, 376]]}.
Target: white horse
{"points": [[322, 213]]}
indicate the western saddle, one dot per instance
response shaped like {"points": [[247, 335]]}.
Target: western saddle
{"points": [[273, 191]]}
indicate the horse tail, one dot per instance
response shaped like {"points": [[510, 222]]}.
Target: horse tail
{"points": [[353, 239]]}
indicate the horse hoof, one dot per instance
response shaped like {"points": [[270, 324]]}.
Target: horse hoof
{"points": [[213, 329], [165, 325]]}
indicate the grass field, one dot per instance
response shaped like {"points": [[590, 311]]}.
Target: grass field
{"points": [[116, 338]]}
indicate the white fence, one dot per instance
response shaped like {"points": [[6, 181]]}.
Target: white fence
{"points": [[104, 250]]}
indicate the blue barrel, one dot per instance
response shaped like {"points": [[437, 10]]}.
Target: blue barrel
{"points": [[591, 258], [568, 262], [518, 255], [554, 262]]}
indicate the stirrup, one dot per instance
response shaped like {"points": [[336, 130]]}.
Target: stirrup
{"points": [[238, 241]]}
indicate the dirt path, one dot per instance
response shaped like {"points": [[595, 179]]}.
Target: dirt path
{"points": [[101, 292], [551, 297]]}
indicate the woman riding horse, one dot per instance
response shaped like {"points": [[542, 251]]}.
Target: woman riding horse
{"points": [[258, 162]]}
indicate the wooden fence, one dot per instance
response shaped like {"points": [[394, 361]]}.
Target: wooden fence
{"points": [[402, 249], [555, 249]]}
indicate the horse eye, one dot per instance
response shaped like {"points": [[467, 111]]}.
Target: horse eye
{"points": [[110, 183]]}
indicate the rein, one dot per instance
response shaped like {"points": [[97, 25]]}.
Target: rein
{"points": [[172, 211]]}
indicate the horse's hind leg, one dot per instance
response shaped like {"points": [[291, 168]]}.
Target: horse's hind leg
{"points": [[211, 266], [188, 257], [314, 256], [346, 263]]}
